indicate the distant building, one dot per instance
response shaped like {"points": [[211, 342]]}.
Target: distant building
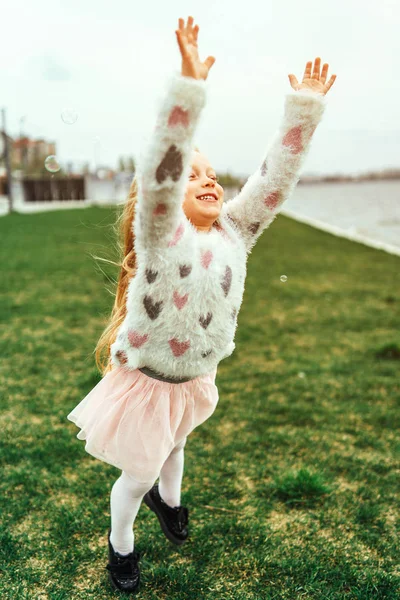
{"points": [[104, 172], [28, 153]]}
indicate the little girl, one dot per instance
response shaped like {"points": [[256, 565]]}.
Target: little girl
{"points": [[178, 297]]}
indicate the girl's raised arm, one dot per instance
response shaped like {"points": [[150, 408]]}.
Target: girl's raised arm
{"points": [[164, 167], [260, 199]]}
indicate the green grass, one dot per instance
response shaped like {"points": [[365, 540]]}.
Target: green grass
{"points": [[292, 484]]}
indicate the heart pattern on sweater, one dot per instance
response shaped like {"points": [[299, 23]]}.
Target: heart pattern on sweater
{"points": [[177, 236], [205, 321], [135, 339], [178, 116], [206, 258], [171, 165], [224, 233], [264, 168], [153, 309], [233, 220], [151, 275], [254, 227], [207, 353], [178, 348], [185, 270], [121, 357], [226, 282], [160, 209], [180, 301], [272, 200], [293, 138]]}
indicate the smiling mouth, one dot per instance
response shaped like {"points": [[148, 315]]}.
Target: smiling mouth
{"points": [[210, 200]]}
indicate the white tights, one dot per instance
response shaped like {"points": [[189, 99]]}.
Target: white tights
{"points": [[127, 495]]}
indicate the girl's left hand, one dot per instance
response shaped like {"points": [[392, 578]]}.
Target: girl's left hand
{"points": [[314, 81]]}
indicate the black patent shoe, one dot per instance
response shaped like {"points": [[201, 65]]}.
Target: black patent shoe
{"points": [[173, 520], [123, 571]]}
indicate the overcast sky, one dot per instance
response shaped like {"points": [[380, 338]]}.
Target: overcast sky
{"points": [[110, 61]]}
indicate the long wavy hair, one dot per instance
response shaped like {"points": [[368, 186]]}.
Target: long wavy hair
{"points": [[128, 267]]}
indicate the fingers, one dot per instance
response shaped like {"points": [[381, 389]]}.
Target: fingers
{"points": [[181, 43], [316, 71], [293, 81], [324, 72], [189, 26], [188, 29], [210, 60], [330, 83], [307, 70], [315, 74], [188, 33]]}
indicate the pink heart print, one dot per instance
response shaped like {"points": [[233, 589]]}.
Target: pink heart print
{"points": [[293, 138], [272, 200], [180, 301], [177, 236], [135, 339], [178, 348], [160, 209], [206, 258], [178, 116]]}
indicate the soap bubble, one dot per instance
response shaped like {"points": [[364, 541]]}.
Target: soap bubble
{"points": [[69, 116], [301, 374], [51, 164], [101, 173], [283, 278]]}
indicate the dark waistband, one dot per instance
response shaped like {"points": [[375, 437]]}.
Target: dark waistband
{"points": [[155, 375]]}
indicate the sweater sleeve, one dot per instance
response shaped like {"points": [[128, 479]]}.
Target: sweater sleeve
{"points": [[164, 165], [259, 201]]}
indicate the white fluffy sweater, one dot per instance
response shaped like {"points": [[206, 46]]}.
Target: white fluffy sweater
{"points": [[183, 302]]}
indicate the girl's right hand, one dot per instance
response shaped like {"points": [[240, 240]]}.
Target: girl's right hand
{"points": [[187, 41]]}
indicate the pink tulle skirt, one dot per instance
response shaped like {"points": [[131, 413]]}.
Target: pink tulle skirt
{"points": [[132, 421]]}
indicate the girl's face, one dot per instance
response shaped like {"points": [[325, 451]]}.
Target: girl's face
{"points": [[202, 182]]}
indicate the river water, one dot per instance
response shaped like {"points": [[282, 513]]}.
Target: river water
{"points": [[368, 208], [367, 211]]}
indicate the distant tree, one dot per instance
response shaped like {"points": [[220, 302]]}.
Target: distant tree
{"points": [[130, 164], [121, 164], [228, 180]]}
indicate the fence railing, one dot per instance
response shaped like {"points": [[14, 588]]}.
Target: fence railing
{"points": [[39, 190]]}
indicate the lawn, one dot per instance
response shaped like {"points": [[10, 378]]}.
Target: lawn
{"points": [[292, 485]]}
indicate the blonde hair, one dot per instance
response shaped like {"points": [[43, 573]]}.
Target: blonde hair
{"points": [[126, 244], [124, 225]]}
